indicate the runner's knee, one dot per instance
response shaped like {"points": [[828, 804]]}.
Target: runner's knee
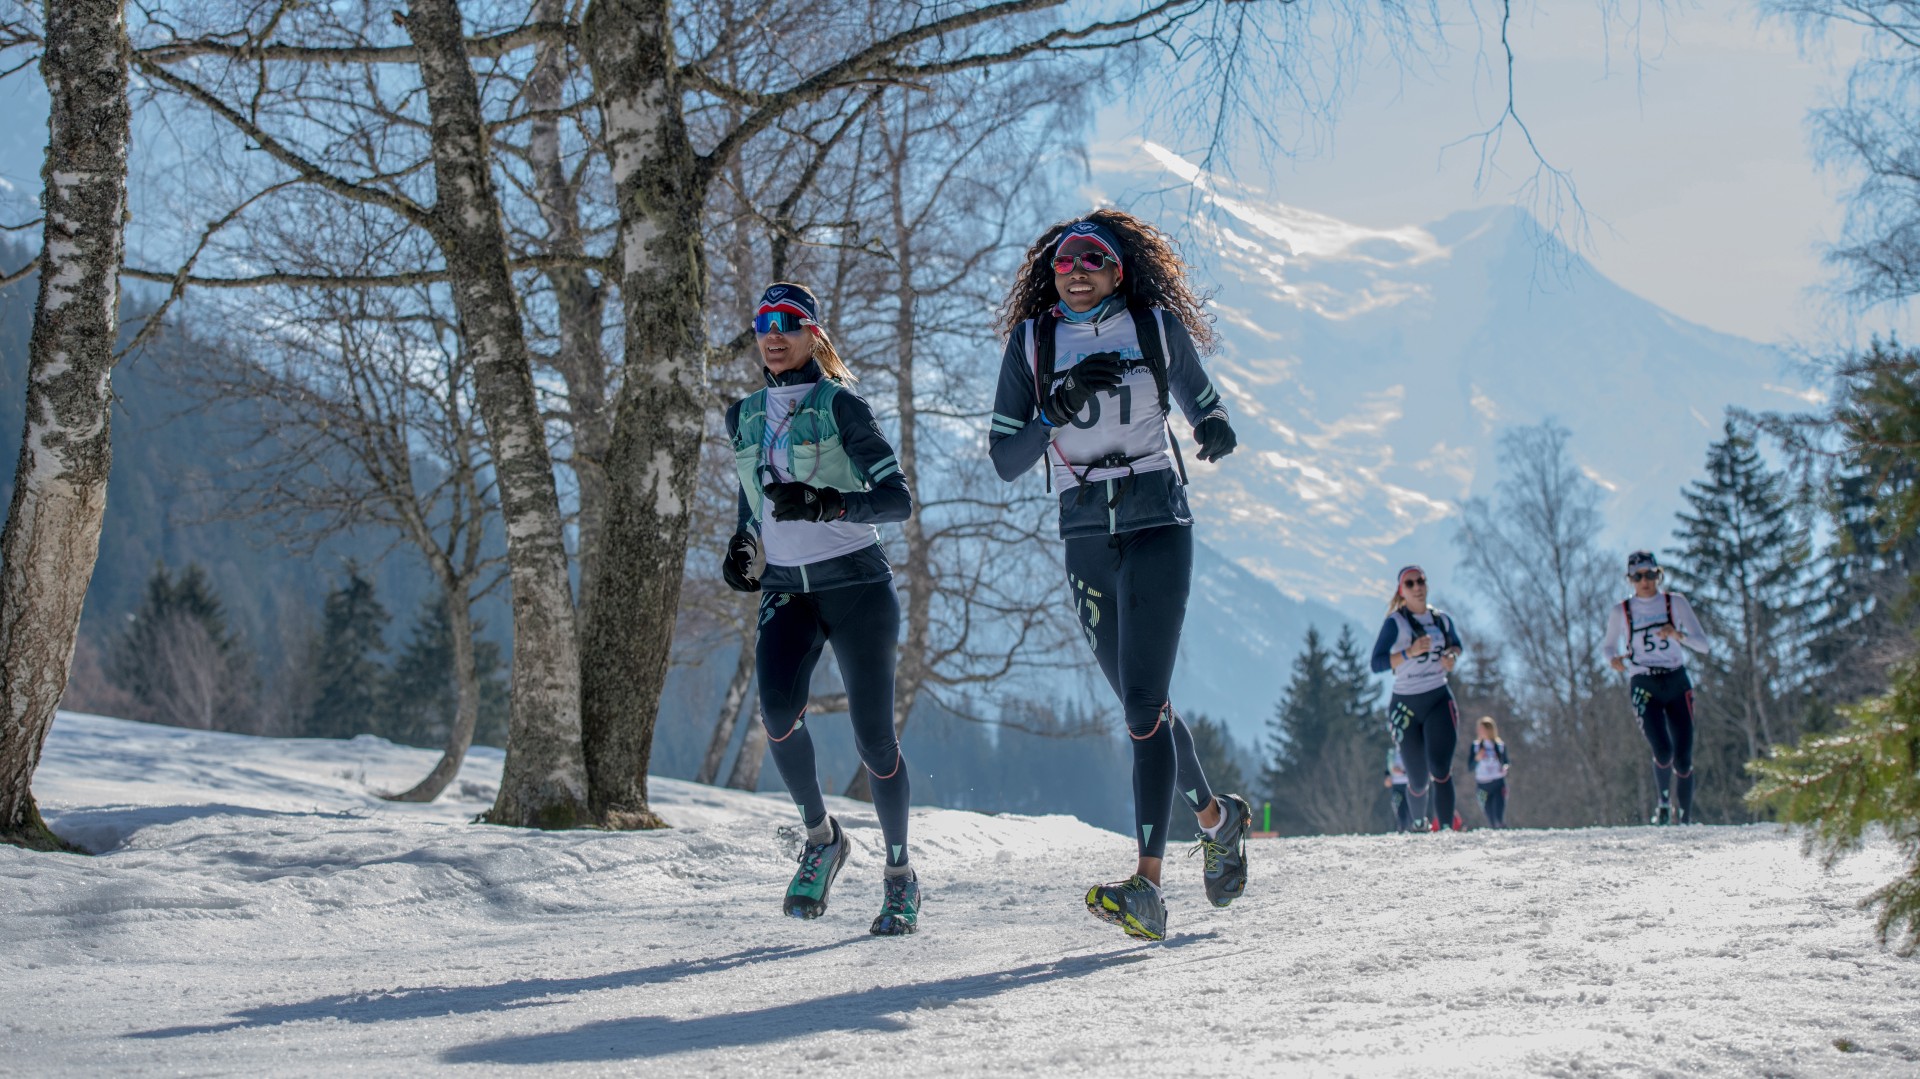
{"points": [[1147, 721]]}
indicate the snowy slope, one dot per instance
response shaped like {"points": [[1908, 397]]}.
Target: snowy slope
{"points": [[255, 911], [1373, 368]]}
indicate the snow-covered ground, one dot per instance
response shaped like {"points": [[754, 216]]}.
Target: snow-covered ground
{"points": [[254, 909]]}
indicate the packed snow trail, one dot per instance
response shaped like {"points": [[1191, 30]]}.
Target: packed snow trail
{"points": [[256, 910]]}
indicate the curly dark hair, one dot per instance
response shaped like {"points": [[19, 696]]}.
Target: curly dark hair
{"points": [[1153, 272]]}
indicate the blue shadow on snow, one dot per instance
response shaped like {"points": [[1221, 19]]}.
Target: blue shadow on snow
{"points": [[876, 1009], [399, 1005]]}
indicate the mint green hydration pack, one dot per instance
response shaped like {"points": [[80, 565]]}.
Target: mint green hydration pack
{"points": [[815, 455]]}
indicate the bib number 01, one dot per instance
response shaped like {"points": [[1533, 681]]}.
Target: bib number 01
{"points": [[1124, 393]]}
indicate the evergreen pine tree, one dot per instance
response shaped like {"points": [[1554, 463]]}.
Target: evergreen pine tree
{"points": [[1314, 704], [1743, 565], [1847, 786], [1218, 753], [177, 658], [1360, 691], [348, 675], [1859, 623]]}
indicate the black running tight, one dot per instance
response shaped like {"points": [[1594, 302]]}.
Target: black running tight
{"points": [[1130, 592], [863, 622], [1426, 727], [1664, 705]]}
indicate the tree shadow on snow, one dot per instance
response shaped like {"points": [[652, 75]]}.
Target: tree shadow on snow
{"points": [[424, 1002], [101, 829], [880, 1009]]}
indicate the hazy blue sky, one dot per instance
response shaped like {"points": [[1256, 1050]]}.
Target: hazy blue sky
{"points": [[1690, 153], [1691, 158]]}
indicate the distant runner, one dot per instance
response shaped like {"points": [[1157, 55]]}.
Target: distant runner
{"points": [[1419, 645], [1396, 784], [1488, 755], [1655, 626]]}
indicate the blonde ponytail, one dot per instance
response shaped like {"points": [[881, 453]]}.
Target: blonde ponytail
{"points": [[829, 359]]}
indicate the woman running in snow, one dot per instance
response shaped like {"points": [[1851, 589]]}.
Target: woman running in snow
{"points": [[1419, 645], [1396, 783], [1488, 755], [816, 475], [1655, 626], [1101, 332]]}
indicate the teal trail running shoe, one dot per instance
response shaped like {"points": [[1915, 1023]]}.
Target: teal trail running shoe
{"points": [[900, 913], [819, 864]]}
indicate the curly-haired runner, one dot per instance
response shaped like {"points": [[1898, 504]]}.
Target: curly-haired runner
{"points": [[1101, 328]]}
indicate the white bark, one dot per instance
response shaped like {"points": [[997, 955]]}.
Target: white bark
{"points": [[52, 534], [544, 783]]}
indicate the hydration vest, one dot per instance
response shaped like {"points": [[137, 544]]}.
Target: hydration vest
{"points": [[1152, 340], [814, 454], [1440, 621]]}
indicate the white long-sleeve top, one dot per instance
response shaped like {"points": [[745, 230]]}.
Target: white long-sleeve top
{"points": [[1645, 652]]}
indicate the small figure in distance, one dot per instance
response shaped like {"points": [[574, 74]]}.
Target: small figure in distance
{"points": [[1396, 783], [1488, 754]]}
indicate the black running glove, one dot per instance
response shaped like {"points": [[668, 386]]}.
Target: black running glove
{"points": [[799, 502], [1216, 438], [1100, 371], [737, 566]]}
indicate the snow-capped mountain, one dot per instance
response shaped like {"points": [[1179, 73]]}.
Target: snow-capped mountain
{"points": [[1238, 644], [1371, 371]]}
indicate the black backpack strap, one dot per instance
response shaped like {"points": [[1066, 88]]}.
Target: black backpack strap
{"points": [[1152, 337], [1043, 334], [1146, 327], [1044, 329], [1669, 596]]}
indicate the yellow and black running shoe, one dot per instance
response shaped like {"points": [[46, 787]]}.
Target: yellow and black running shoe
{"points": [[1133, 904]]}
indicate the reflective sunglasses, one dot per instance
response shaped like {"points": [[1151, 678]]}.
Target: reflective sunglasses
{"points": [[768, 321], [1414, 582], [1090, 261], [1644, 575]]}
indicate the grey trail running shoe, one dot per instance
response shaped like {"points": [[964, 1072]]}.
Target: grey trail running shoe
{"points": [[1226, 853], [900, 912], [819, 864], [1663, 813], [1132, 904]]}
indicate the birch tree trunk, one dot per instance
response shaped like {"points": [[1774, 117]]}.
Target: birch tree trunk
{"points": [[466, 700], [52, 534], [579, 302], [653, 458], [916, 570], [544, 781], [753, 753], [732, 707]]}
